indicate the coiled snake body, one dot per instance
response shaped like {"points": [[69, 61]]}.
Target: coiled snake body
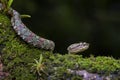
{"points": [[35, 40]]}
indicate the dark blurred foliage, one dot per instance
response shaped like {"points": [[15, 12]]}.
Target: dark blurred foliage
{"points": [[68, 21]]}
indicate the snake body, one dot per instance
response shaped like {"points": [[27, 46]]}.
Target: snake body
{"points": [[28, 35], [35, 40]]}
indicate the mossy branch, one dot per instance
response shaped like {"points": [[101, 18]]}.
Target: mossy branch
{"points": [[17, 55]]}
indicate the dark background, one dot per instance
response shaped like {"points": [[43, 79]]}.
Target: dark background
{"points": [[68, 21]]}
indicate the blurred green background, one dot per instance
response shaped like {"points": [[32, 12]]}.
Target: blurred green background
{"points": [[68, 21]]}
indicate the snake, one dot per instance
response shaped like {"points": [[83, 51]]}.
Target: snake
{"points": [[37, 41]]}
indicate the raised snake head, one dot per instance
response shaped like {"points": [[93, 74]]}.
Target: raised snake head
{"points": [[78, 47]]}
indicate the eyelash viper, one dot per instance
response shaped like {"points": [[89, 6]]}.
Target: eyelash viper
{"points": [[35, 40]]}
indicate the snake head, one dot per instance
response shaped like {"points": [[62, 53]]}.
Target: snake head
{"points": [[78, 47]]}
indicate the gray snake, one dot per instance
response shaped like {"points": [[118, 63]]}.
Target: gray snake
{"points": [[35, 40]]}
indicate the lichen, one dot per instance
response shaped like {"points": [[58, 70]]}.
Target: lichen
{"points": [[17, 56]]}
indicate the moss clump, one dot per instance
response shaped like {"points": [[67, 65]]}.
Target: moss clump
{"points": [[17, 57], [4, 20]]}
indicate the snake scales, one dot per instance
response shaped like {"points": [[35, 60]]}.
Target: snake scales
{"points": [[35, 40]]}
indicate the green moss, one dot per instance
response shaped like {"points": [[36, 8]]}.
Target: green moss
{"points": [[4, 20], [18, 55]]}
